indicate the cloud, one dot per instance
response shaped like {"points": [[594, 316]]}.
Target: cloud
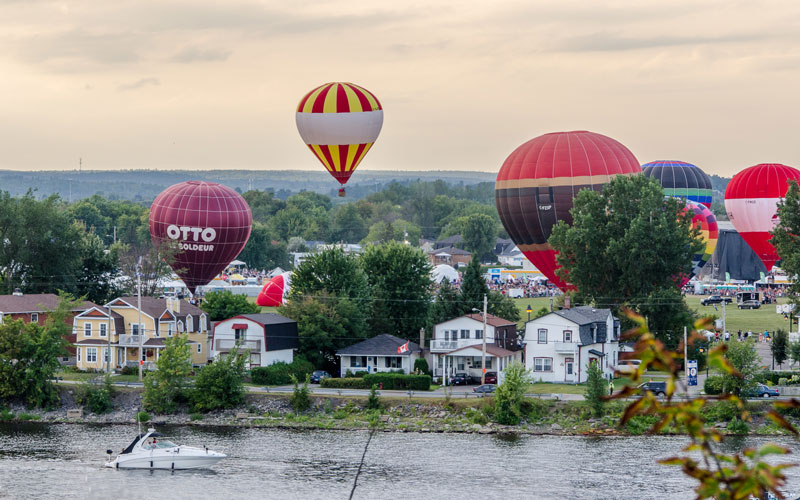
{"points": [[139, 84], [608, 42], [193, 54]]}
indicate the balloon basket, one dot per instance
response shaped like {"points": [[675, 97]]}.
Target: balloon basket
{"points": [[342, 193]]}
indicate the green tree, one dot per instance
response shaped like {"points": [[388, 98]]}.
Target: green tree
{"points": [[300, 399], [627, 245], [165, 387], [510, 394], [263, 204], [402, 289], [480, 235], [347, 225], [373, 400], [29, 357], [473, 287], [96, 282], [743, 357], [502, 306], [786, 237], [220, 384], [332, 272], [288, 222], [447, 304], [780, 347], [595, 388], [264, 250], [225, 304]]}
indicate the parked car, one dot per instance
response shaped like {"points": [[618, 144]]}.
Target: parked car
{"points": [[715, 299], [627, 366], [485, 389], [490, 378], [459, 379], [318, 375], [657, 388], [761, 391]]}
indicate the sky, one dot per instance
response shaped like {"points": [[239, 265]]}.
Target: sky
{"points": [[201, 84]]}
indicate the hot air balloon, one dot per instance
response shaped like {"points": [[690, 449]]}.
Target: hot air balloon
{"points": [[681, 180], [537, 182], [339, 122], [751, 200], [709, 233], [209, 222], [275, 291]]}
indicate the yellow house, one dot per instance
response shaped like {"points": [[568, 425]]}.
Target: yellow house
{"points": [[113, 333]]}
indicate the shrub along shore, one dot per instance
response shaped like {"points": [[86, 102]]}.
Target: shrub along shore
{"points": [[393, 415]]}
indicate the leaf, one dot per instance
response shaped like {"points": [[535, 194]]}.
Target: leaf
{"points": [[782, 422], [631, 411], [773, 449]]}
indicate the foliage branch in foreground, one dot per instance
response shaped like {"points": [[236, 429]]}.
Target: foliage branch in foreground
{"points": [[721, 476]]}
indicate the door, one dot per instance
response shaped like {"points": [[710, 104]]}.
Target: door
{"points": [[569, 370]]}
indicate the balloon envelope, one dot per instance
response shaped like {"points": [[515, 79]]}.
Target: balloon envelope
{"points": [[339, 122], [681, 180], [209, 222], [275, 291], [709, 233], [751, 200], [537, 182]]}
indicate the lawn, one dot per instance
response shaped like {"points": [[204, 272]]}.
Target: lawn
{"points": [[79, 376]]}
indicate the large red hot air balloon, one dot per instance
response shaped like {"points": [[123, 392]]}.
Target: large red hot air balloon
{"points": [[538, 181], [210, 223], [751, 200], [275, 291]]}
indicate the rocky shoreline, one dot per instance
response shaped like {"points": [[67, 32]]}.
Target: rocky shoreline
{"points": [[345, 413]]}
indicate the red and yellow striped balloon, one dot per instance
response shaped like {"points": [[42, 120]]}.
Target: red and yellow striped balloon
{"points": [[339, 122]]}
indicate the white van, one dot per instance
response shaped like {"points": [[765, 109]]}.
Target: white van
{"points": [[627, 366]]}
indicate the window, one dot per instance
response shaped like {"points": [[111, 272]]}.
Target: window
{"points": [[189, 323], [199, 348], [87, 329], [34, 317], [105, 354], [567, 335], [488, 363], [478, 334], [239, 334], [460, 364], [394, 362], [202, 326], [446, 335], [103, 330], [358, 361], [134, 329], [542, 364], [542, 335], [464, 334], [91, 354], [169, 329], [79, 353], [180, 326]]}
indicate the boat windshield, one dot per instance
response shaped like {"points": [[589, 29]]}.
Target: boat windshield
{"points": [[159, 444]]}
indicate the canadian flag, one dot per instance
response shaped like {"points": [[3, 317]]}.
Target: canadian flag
{"points": [[403, 348]]}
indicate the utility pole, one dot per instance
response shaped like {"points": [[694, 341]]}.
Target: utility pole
{"points": [[139, 307], [108, 337], [483, 354], [724, 328], [686, 360]]}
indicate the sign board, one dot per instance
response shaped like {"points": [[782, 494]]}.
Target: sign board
{"points": [[691, 367]]}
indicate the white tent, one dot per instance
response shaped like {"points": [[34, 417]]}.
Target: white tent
{"points": [[443, 271]]}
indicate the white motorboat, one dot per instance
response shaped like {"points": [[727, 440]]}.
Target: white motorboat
{"points": [[151, 450]]}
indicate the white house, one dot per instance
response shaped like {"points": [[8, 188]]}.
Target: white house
{"points": [[559, 346], [457, 346], [269, 337], [382, 353]]}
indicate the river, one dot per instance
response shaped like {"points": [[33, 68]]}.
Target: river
{"points": [[65, 461]]}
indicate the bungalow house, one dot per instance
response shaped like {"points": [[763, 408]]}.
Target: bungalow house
{"points": [[34, 308], [559, 346], [451, 256], [270, 338], [383, 353], [117, 325], [457, 345]]}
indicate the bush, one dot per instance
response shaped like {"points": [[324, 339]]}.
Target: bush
{"points": [[281, 373], [783, 381], [640, 424], [421, 366], [596, 388], [129, 370], [398, 381], [360, 374], [373, 401], [736, 426], [220, 384], [6, 415], [143, 417], [722, 411], [714, 385], [510, 395], [300, 399], [343, 383]]}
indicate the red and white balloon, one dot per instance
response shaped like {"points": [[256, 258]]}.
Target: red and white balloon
{"points": [[275, 291]]}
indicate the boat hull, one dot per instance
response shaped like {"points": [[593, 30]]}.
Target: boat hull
{"points": [[167, 460]]}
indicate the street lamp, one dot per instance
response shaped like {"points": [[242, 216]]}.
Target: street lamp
{"points": [[529, 310]]}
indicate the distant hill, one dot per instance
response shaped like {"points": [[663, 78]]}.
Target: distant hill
{"points": [[144, 185]]}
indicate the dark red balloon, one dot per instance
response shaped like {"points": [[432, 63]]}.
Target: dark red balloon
{"points": [[537, 182], [210, 222]]}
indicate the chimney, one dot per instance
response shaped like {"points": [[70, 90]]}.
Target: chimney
{"points": [[177, 304], [422, 338], [17, 292]]}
